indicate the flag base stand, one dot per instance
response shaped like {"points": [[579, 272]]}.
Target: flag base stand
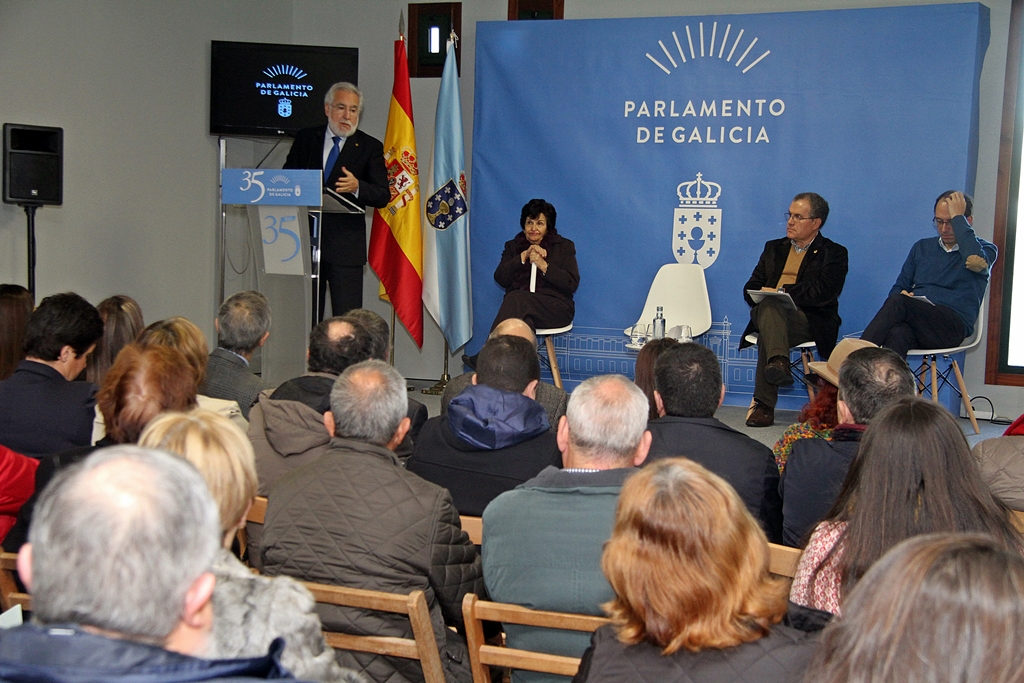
{"points": [[438, 388]]}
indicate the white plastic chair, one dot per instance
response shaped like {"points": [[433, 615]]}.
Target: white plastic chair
{"points": [[547, 333], [682, 292], [928, 357]]}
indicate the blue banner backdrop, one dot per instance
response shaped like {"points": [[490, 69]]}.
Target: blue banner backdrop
{"points": [[875, 109]]}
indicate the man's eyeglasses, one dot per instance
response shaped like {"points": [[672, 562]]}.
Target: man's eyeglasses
{"points": [[798, 217], [938, 223], [341, 107]]}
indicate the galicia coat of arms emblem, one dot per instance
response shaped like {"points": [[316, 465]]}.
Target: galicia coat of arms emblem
{"points": [[284, 107], [697, 223]]}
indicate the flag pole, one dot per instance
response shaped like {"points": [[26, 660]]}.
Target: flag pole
{"points": [[438, 388]]}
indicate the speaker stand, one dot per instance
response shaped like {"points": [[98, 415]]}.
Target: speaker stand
{"points": [[30, 214]]}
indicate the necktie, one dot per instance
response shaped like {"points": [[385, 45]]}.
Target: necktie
{"points": [[332, 156]]}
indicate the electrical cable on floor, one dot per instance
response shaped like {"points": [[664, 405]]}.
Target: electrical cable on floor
{"points": [[993, 419]]}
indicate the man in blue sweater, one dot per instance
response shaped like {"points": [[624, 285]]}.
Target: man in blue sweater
{"points": [[935, 301]]}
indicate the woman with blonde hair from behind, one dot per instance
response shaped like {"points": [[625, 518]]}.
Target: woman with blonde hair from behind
{"points": [[937, 608], [250, 611], [694, 598]]}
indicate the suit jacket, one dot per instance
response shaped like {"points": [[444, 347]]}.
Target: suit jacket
{"points": [[228, 377], [819, 282], [43, 413], [747, 465], [551, 397], [344, 235]]}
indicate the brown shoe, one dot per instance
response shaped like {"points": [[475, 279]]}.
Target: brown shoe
{"points": [[760, 415], [777, 372]]}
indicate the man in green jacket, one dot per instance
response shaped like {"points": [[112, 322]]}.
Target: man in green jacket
{"points": [[544, 539]]}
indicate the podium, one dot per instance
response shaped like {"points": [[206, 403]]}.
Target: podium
{"points": [[286, 256]]}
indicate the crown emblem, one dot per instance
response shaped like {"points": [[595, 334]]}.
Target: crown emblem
{"points": [[698, 192]]}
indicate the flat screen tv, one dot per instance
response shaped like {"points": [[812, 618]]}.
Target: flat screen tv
{"points": [[266, 90]]}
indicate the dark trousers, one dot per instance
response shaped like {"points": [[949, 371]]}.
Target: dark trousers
{"points": [[346, 283], [904, 323], [537, 309], [778, 330]]}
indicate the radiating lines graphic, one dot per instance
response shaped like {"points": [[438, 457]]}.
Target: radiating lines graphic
{"points": [[707, 48], [284, 70]]}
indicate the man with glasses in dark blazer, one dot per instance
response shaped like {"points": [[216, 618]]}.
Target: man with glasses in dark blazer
{"points": [[810, 268], [353, 165]]}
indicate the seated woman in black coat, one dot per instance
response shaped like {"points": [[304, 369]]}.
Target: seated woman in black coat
{"points": [[550, 304], [693, 597]]}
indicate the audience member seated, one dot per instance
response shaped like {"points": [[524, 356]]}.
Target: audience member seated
{"points": [[693, 597], [182, 334], [544, 539], [1002, 464], [689, 389], [356, 517], [913, 475], [249, 610], [814, 421], [381, 333], [495, 435], [243, 325], [119, 570], [286, 425], [940, 608], [551, 397], [818, 418], [122, 322], [15, 310], [17, 484], [644, 373], [142, 383], [869, 379], [41, 410]]}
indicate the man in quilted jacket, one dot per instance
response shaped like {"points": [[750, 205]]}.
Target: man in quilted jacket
{"points": [[356, 518]]}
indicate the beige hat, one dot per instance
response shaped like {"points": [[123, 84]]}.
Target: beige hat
{"points": [[830, 371]]}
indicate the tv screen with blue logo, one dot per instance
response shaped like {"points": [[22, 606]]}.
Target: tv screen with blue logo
{"points": [[261, 89]]}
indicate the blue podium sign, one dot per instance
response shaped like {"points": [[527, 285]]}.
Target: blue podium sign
{"points": [[271, 186]]}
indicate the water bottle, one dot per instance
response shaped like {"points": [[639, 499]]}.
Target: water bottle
{"points": [[659, 325]]}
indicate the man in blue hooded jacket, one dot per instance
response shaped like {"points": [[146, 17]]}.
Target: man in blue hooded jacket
{"points": [[494, 436]]}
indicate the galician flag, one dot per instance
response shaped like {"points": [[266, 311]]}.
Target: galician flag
{"points": [[396, 239], [446, 281]]}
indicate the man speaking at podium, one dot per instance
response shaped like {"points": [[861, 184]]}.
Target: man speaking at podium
{"points": [[353, 164]]}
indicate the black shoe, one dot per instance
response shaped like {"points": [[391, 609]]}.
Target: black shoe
{"points": [[777, 372], [470, 361], [760, 415]]}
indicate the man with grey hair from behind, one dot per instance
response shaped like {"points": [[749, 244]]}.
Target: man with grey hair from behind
{"points": [[243, 325], [544, 539], [380, 333], [356, 517], [118, 564]]}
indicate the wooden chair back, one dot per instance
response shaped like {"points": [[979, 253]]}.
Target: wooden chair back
{"points": [[9, 593], [423, 645], [257, 513], [474, 526], [1017, 517], [784, 560], [483, 656]]}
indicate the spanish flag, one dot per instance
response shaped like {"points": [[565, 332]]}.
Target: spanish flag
{"points": [[396, 240]]}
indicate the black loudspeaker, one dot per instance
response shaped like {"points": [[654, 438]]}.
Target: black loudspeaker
{"points": [[33, 165]]}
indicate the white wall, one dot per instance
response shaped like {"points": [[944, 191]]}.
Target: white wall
{"points": [[128, 81]]}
